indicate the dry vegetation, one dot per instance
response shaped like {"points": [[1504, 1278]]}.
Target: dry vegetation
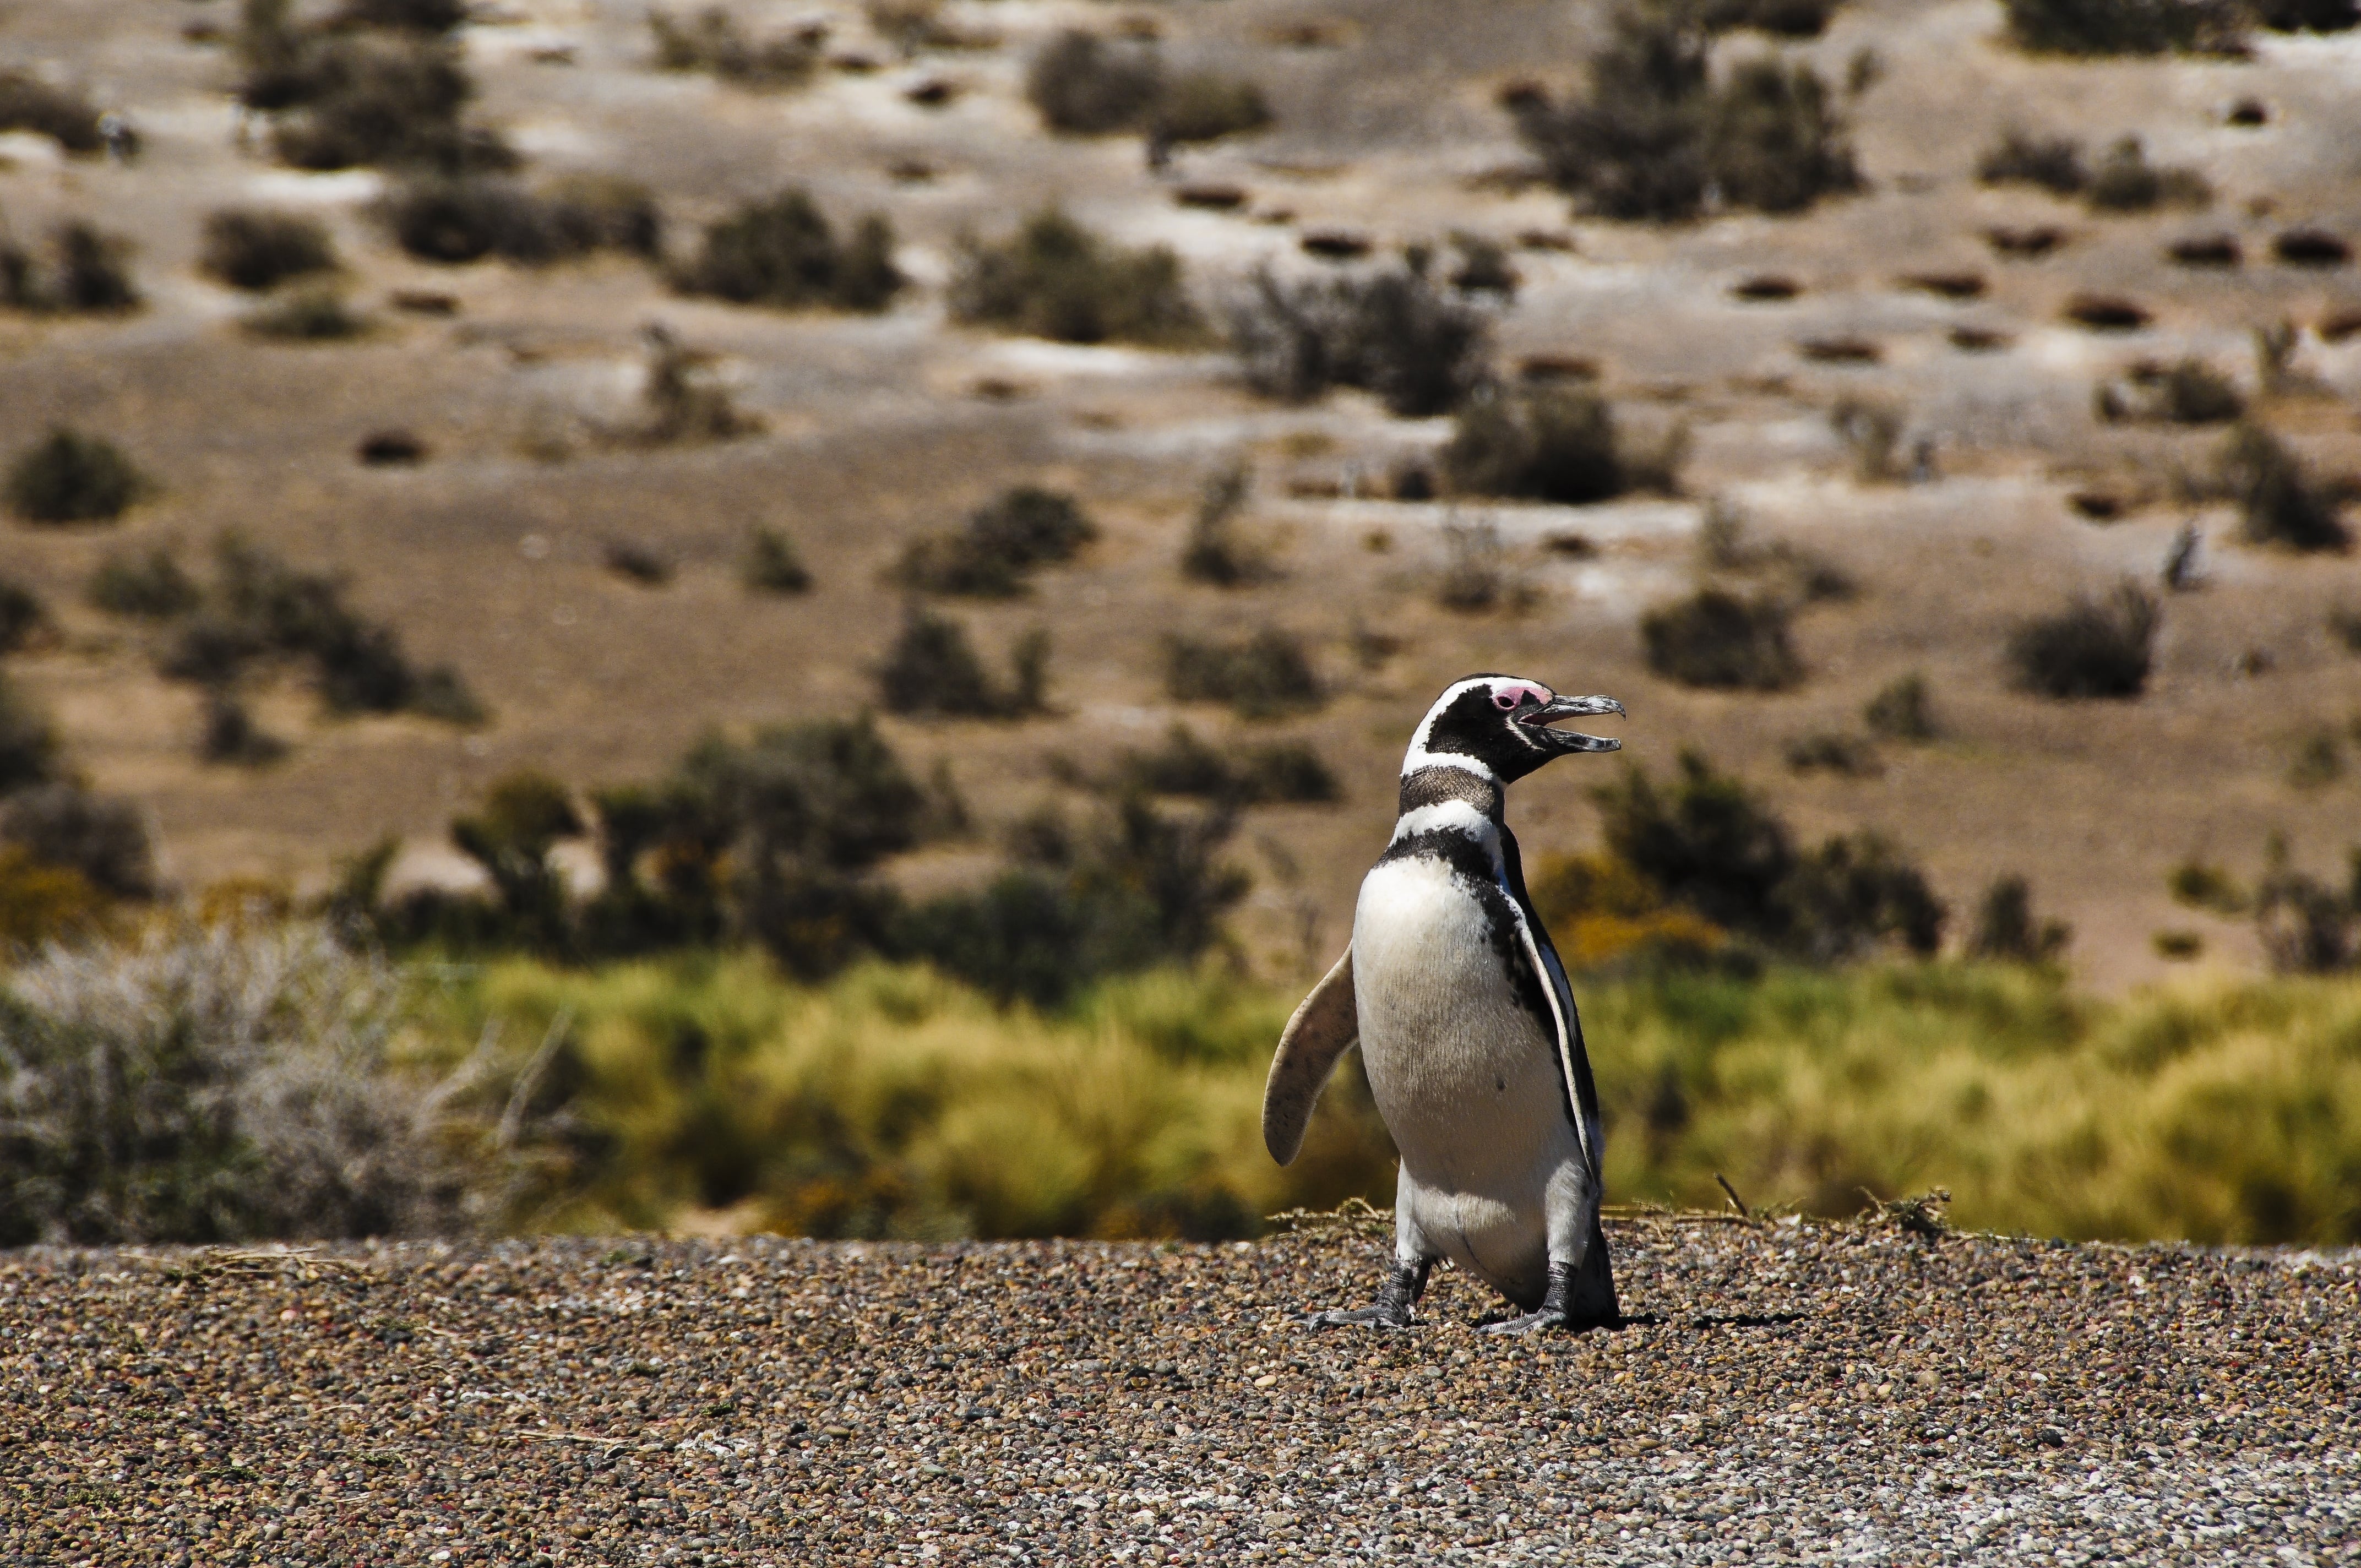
{"points": [[1432, 385]]}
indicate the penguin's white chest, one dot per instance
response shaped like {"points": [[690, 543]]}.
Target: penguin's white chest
{"points": [[1465, 1077]]}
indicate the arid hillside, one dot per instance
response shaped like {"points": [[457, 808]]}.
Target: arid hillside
{"points": [[1915, 415]]}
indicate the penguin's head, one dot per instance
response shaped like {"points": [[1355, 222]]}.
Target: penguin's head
{"points": [[1498, 727]]}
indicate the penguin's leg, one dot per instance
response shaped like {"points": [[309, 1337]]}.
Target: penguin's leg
{"points": [[1581, 1292], [1413, 1260]]}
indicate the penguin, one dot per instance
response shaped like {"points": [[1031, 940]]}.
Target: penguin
{"points": [[1466, 1027]]}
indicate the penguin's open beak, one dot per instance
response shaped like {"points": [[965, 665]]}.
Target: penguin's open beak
{"points": [[1571, 741]]}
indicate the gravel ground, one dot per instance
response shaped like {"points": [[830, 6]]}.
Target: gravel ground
{"points": [[1784, 1392]]}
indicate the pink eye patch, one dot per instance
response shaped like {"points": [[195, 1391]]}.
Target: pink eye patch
{"points": [[1508, 696]]}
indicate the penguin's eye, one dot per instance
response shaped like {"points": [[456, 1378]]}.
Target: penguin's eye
{"points": [[1506, 700]]}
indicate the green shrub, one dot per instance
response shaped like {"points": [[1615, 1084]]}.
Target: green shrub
{"points": [[307, 315], [103, 838], [458, 220], [2053, 163], [1902, 709], [781, 253], [712, 43], [2007, 930], [932, 668], [21, 615], [2088, 648], [1656, 134], [1135, 889], [771, 565], [2125, 27], [1707, 844], [1392, 333], [2280, 502], [63, 114], [215, 1086], [1715, 639], [1263, 675], [1057, 280], [1080, 84], [255, 248], [28, 746], [74, 478], [2127, 182], [990, 556]]}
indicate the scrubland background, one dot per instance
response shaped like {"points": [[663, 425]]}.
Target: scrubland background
{"points": [[552, 518]]}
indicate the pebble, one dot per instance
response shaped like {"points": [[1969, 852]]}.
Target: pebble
{"points": [[1781, 1393]]}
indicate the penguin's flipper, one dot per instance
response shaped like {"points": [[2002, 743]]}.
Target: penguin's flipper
{"points": [[1327, 1023]]}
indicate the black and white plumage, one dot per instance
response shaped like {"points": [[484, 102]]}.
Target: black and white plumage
{"points": [[1466, 1026]]}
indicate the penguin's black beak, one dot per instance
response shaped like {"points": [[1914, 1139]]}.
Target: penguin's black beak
{"points": [[1572, 740]]}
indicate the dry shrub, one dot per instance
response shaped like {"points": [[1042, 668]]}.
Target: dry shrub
{"points": [[345, 99], [2019, 158], [782, 252], [1214, 552], [72, 477], [210, 1085], [1477, 575], [991, 555], [1203, 107], [306, 315], [1055, 278], [84, 272], [2088, 648], [2126, 183], [1285, 772], [712, 43], [2310, 248], [2185, 393], [22, 617], [1717, 640], [1656, 134], [1082, 85], [1783, 18], [2279, 501], [933, 668], [773, 566], [29, 744], [63, 114], [2127, 26], [1555, 444], [255, 248], [1831, 752], [1392, 333], [455, 220], [103, 837], [2007, 929], [1902, 709], [1265, 674], [2206, 250]]}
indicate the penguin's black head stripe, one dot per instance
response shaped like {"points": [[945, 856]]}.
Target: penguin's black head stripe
{"points": [[1498, 727]]}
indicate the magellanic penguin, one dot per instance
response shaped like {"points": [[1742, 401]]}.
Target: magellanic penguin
{"points": [[1466, 1027]]}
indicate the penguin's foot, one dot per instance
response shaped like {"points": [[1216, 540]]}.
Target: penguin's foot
{"points": [[1390, 1311], [1563, 1307]]}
